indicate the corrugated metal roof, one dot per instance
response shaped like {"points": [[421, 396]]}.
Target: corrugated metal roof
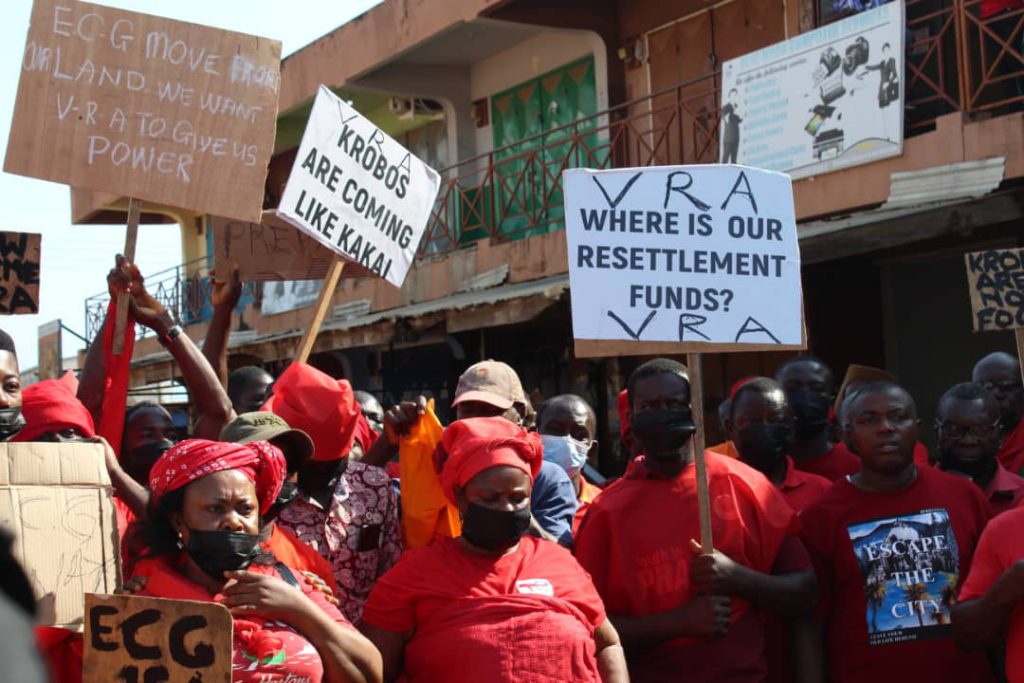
{"points": [[966, 180]]}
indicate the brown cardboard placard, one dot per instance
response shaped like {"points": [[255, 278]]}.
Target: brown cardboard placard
{"points": [[58, 502], [272, 250], [130, 638], [146, 107], [19, 279], [995, 280]]}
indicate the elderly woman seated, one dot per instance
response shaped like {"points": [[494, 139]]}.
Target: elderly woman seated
{"points": [[493, 604], [200, 542]]}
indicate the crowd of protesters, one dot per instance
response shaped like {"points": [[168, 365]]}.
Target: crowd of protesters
{"points": [[354, 543]]}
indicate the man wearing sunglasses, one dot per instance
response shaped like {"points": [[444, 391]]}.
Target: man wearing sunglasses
{"points": [[970, 432], [999, 372]]}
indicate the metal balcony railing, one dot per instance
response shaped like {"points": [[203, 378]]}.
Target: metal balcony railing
{"points": [[954, 60]]}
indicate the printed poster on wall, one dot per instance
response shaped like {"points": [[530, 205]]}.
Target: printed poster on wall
{"points": [[910, 565], [824, 100]]}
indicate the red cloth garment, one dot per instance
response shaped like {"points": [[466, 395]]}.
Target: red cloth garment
{"points": [[293, 553], [992, 7], [1011, 453], [908, 551], [51, 406], [358, 533], [635, 542], [262, 650], [364, 434], [523, 617], [471, 446], [622, 403], [61, 649], [115, 384], [1001, 545], [261, 461], [1005, 491], [838, 462], [800, 489], [323, 407]]}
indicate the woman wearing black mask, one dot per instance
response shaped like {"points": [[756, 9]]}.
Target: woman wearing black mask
{"points": [[200, 542], [451, 610]]}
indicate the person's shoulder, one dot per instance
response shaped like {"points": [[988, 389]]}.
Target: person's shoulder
{"points": [[368, 475], [945, 483], [719, 465], [815, 481], [837, 497]]}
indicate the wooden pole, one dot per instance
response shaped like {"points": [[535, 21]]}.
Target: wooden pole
{"points": [[323, 302], [693, 362], [1019, 336], [131, 238]]}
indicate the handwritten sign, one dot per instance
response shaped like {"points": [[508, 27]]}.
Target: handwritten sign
{"points": [[146, 107], [137, 640], [19, 279], [272, 250], [357, 191], [685, 258], [57, 499], [995, 279]]}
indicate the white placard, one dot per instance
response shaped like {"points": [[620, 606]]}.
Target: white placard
{"points": [[357, 191], [695, 254], [824, 100]]}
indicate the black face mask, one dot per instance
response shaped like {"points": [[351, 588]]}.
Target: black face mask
{"points": [[11, 422], [811, 408], [138, 461], [762, 446], [495, 530], [319, 479], [975, 469], [217, 552], [663, 432], [289, 491]]}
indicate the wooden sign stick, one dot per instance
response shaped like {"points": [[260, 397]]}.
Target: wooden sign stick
{"points": [[693, 363], [323, 302], [130, 239]]}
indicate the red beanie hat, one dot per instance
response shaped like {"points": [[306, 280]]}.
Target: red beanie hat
{"points": [[49, 406], [323, 407]]}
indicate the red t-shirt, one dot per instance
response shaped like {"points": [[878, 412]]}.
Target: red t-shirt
{"points": [[800, 489], [1005, 492], [1001, 545], [635, 542], [1011, 453], [263, 651], [834, 465], [526, 616], [908, 550]]}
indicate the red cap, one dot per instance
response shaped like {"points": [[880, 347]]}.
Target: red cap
{"points": [[323, 407], [49, 406], [473, 445]]}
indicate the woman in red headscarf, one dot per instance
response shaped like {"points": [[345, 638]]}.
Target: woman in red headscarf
{"points": [[493, 604], [200, 542]]}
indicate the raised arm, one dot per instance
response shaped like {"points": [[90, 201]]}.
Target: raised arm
{"points": [[204, 389], [224, 297]]}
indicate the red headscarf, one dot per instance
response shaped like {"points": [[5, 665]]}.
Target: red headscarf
{"points": [[260, 461], [473, 445], [323, 407], [50, 406]]}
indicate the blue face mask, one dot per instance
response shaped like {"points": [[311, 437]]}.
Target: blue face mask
{"points": [[565, 451]]}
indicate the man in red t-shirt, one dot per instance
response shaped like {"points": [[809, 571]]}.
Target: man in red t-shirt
{"points": [[890, 544], [969, 432], [991, 608], [679, 613], [1000, 373], [810, 391]]}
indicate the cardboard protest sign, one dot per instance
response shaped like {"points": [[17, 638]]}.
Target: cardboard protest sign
{"points": [[272, 249], [58, 502], [136, 640], [19, 280], [357, 191], [682, 259], [995, 279], [146, 107]]}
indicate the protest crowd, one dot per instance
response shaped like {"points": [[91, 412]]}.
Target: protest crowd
{"points": [[357, 543]]}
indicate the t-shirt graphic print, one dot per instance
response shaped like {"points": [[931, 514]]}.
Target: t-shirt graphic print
{"points": [[911, 567]]}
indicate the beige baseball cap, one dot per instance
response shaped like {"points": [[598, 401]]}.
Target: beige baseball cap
{"points": [[491, 382]]}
